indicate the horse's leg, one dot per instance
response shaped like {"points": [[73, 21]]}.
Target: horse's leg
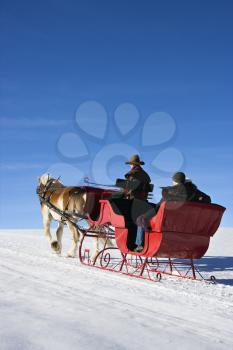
{"points": [[59, 234], [57, 245], [47, 218], [109, 243], [75, 237], [95, 249], [105, 242]]}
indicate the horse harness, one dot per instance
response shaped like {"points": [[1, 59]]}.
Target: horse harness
{"points": [[65, 216]]}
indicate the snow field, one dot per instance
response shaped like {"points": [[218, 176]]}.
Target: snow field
{"points": [[50, 302]]}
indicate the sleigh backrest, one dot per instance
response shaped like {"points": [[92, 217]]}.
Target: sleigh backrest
{"points": [[188, 217], [94, 195]]}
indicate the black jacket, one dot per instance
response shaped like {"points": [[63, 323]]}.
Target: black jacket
{"points": [[142, 185], [184, 192]]}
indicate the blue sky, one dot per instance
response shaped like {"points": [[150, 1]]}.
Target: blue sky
{"points": [[173, 57]]}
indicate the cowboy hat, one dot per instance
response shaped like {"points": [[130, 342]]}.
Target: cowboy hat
{"points": [[135, 160]]}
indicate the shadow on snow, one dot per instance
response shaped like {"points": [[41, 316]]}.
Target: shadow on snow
{"points": [[212, 264]]}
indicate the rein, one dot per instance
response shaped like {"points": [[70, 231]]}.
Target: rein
{"points": [[86, 181], [61, 213]]}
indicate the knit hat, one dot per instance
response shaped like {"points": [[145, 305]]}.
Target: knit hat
{"points": [[179, 177], [135, 160]]}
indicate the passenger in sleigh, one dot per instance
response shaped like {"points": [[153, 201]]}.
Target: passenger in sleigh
{"points": [[182, 190]]}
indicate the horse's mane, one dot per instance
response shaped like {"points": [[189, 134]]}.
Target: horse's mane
{"points": [[43, 179]]}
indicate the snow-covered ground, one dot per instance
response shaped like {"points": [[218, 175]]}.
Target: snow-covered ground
{"points": [[50, 302]]}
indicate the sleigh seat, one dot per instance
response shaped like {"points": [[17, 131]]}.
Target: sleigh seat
{"points": [[179, 229]]}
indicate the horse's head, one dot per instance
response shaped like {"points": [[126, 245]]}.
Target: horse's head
{"points": [[46, 182]]}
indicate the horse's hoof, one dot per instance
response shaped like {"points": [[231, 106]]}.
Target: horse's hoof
{"points": [[55, 246], [70, 255]]}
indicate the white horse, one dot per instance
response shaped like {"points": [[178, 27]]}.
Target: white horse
{"points": [[69, 200]]}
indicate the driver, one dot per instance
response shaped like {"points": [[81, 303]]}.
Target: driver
{"points": [[137, 173]]}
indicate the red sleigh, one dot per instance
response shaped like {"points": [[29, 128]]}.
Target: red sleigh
{"points": [[180, 232]]}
